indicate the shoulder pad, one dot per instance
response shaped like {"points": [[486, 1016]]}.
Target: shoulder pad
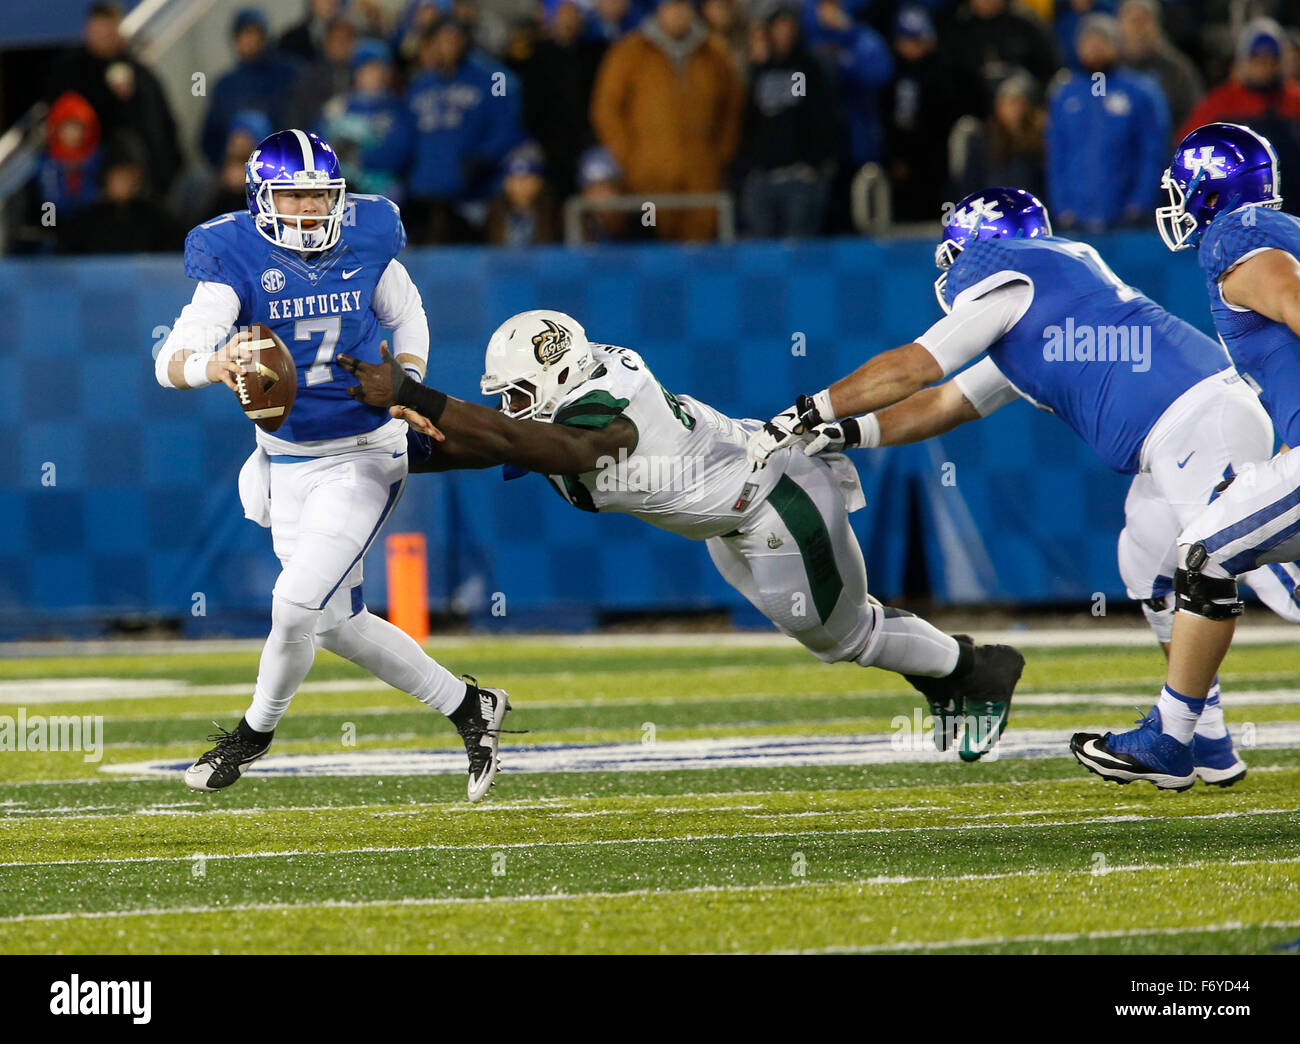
{"points": [[374, 223], [604, 395], [976, 263]]}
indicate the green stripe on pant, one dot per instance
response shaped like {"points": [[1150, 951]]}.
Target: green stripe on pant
{"points": [[804, 521]]}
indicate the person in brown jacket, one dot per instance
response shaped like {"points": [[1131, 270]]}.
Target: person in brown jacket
{"points": [[667, 103]]}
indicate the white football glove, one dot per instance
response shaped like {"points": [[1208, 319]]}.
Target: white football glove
{"points": [[836, 436], [782, 430], [785, 429], [829, 438]]}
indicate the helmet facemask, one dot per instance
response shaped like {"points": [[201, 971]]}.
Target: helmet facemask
{"points": [[944, 255], [1177, 228], [285, 230]]}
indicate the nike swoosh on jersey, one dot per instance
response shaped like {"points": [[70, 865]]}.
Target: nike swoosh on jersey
{"points": [[1183, 462], [349, 275]]}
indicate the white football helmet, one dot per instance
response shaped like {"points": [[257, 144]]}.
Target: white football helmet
{"points": [[540, 354]]}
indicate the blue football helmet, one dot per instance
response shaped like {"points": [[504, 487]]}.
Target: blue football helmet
{"points": [[1216, 169], [994, 213], [294, 159]]}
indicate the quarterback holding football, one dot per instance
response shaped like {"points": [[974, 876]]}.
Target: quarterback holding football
{"points": [[315, 266]]}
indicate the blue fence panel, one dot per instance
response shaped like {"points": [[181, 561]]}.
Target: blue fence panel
{"points": [[118, 497]]}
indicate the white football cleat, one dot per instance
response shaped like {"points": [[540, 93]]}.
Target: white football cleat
{"points": [[480, 726]]}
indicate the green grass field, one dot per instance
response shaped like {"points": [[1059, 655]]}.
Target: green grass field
{"points": [[1021, 854]]}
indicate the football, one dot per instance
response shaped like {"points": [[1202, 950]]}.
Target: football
{"points": [[268, 382]]}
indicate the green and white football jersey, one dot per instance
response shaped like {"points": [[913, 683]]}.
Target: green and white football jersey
{"points": [[688, 472]]}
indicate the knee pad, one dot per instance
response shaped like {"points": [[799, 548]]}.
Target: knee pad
{"points": [[291, 622], [343, 635], [1211, 597], [1159, 612]]}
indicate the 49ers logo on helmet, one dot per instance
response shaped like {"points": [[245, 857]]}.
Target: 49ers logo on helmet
{"points": [[551, 343]]}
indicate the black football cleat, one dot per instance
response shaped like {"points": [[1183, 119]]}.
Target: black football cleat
{"points": [[946, 696], [987, 703], [225, 763], [478, 720]]}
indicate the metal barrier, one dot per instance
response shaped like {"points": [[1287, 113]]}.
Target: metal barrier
{"points": [[870, 200]]}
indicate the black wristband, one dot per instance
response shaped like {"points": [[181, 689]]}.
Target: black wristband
{"points": [[852, 432], [417, 396]]}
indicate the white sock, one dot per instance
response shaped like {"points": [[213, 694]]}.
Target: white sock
{"points": [[1211, 724], [287, 656], [907, 644], [393, 656], [1178, 714]]}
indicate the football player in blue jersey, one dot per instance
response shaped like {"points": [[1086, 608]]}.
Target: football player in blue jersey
{"points": [[1152, 396], [318, 266], [1223, 191]]}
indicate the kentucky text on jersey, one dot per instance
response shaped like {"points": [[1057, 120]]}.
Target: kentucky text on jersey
{"points": [[317, 304]]}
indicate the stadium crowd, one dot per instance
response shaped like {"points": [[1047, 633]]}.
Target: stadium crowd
{"points": [[481, 116]]}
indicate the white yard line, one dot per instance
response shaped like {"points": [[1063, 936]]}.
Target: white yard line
{"points": [[1066, 637], [670, 893], [686, 839], [144, 778]]}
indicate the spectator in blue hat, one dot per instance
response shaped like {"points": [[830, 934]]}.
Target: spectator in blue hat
{"points": [[1259, 88], [600, 178], [1260, 94], [610, 20], [523, 213], [920, 107], [369, 126], [262, 79], [557, 82]]}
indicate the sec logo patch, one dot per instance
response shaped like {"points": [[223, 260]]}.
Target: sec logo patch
{"points": [[272, 280]]}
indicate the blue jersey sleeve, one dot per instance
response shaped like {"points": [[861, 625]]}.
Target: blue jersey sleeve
{"points": [[203, 255], [1232, 236]]}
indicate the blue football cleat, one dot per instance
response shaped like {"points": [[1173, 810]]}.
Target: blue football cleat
{"points": [[1141, 753], [1216, 762]]}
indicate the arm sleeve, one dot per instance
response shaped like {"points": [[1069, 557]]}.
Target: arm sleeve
{"points": [[975, 323], [203, 324], [397, 305], [985, 387]]}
